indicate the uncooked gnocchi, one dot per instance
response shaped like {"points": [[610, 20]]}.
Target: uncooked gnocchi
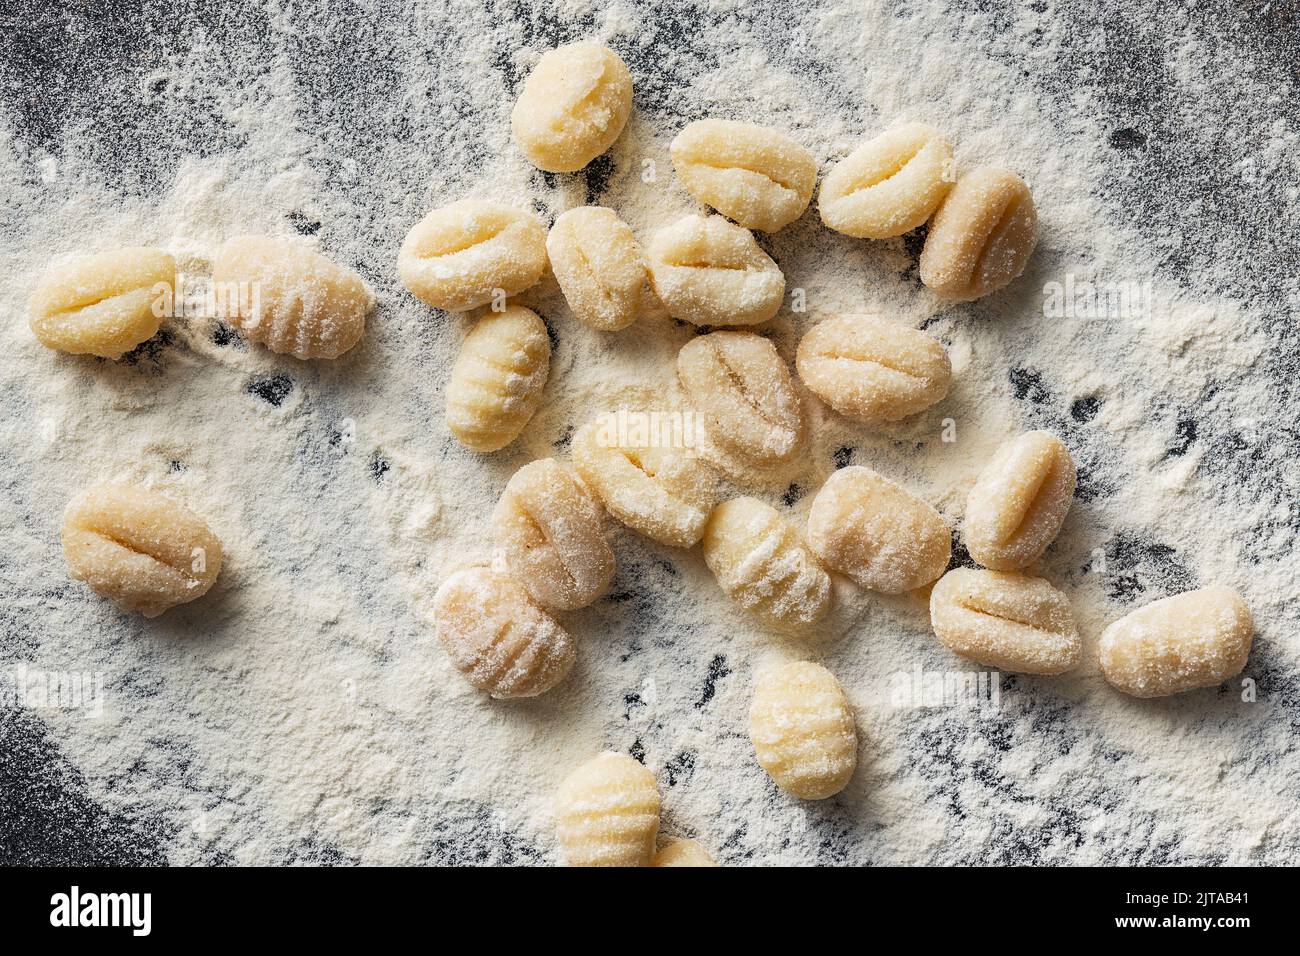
{"points": [[741, 388], [304, 305], [548, 529], [663, 492], [1006, 620], [981, 237], [1019, 501], [876, 532], [1191, 640], [607, 813], [472, 253], [573, 106], [708, 271], [889, 185], [802, 729], [871, 369], [146, 552], [497, 381], [757, 176], [497, 638], [599, 266], [103, 304], [683, 853], [761, 563]]}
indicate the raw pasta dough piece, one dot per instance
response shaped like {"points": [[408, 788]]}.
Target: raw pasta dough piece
{"points": [[1019, 501], [607, 813], [683, 853], [142, 550], [599, 267], [802, 729], [708, 271]]}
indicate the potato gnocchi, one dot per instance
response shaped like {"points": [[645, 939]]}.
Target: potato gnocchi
{"points": [[683, 853], [760, 562], [877, 533], [497, 382], [741, 388], [103, 304], [981, 237], [708, 271], [138, 548], [497, 638], [574, 104], [802, 729], [607, 813], [1019, 501], [757, 176], [873, 370], [549, 530], [1005, 619], [664, 493], [599, 266], [889, 185], [472, 253], [1196, 639], [305, 305]]}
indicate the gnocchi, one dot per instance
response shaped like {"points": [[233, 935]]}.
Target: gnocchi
{"points": [[683, 853], [981, 237], [877, 533], [497, 382], [871, 369], [802, 729], [1196, 639], [599, 266], [103, 304], [1019, 501], [497, 638], [472, 253], [1005, 619], [304, 304], [138, 548], [743, 392], [708, 271], [757, 176], [548, 529], [889, 185], [664, 493], [607, 813], [574, 104], [761, 563]]}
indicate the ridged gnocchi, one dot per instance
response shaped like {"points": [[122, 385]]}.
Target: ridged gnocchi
{"points": [[574, 104], [802, 729], [742, 389], [1005, 619], [305, 305], [549, 530], [1019, 501], [103, 304], [664, 493], [683, 853], [497, 382], [138, 548], [497, 638], [871, 369], [760, 562], [981, 237], [878, 533], [889, 185], [1196, 639], [708, 271], [757, 176], [607, 813], [472, 253], [599, 266]]}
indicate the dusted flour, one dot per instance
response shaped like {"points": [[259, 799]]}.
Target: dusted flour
{"points": [[303, 711]]}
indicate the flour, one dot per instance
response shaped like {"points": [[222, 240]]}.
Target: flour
{"points": [[303, 712]]}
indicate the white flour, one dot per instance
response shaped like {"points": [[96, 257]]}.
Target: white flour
{"points": [[302, 709]]}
